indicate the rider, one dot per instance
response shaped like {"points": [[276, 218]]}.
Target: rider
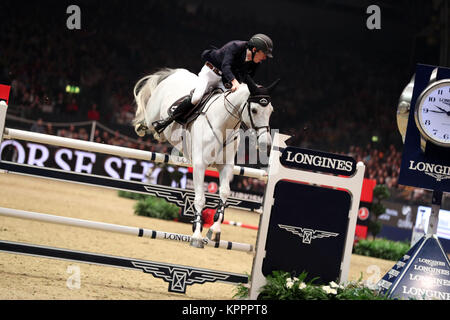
{"points": [[224, 68]]}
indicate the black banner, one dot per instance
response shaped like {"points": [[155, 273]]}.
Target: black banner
{"points": [[306, 159]]}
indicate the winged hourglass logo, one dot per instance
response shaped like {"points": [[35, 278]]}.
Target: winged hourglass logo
{"points": [[308, 235]]}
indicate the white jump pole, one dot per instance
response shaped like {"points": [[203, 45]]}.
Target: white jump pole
{"points": [[119, 151], [87, 224]]}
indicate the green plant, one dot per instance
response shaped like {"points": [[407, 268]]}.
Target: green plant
{"points": [[382, 248], [131, 195], [150, 206], [156, 208], [242, 291], [282, 286], [380, 193]]}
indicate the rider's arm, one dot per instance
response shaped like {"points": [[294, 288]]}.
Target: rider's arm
{"points": [[227, 61]]}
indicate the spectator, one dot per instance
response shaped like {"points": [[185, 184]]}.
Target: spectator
{"points": [[47, 106], [105, 137], [93, 113], [72, 133], [72, 108], [38, 126], [83, 135], [49, 129], [59, 104], [62, 133]]}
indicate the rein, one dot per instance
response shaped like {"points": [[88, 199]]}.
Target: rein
{"points": [[237, 114], [264, 101]]}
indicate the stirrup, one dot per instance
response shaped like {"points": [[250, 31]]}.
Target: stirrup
{"points": [[161, 125]]}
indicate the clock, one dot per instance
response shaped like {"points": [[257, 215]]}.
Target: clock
{"points": [[432, 114]]}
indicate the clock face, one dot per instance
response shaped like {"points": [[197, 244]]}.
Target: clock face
{"points": [[432, 113]]}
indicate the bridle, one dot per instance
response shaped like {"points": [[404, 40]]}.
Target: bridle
{"points": [[262, 100]]}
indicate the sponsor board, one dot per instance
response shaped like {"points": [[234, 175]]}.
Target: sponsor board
{"points": [[313, 160]]}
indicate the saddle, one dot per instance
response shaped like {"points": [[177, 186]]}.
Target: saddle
{"points": [[193, 113]]}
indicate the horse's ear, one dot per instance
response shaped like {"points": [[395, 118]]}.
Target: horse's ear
{"points": [[272, 87], [251, 85]]}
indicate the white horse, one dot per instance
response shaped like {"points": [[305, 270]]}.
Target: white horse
{"points": [[209, 140]]}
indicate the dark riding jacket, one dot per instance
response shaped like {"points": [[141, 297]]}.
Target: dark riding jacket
{"points": [[230, 59]]}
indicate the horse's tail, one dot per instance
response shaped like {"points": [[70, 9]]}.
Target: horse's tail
{"points": [[143, 91]]}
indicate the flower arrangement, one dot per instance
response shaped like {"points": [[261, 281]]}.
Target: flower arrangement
{"points": [[283, 286]]}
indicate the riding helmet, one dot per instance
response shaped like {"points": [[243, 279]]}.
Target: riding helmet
{"points": [[262, 42]]}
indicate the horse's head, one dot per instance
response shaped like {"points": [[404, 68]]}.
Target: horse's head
{"points": [[259, 110]]}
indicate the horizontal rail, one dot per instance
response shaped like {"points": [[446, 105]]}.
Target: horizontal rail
{"points": [[240, 224], [178, 276], [120, 151], [140, 232]]}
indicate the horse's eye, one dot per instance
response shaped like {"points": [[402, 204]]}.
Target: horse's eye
{"points": [[254, 111]]}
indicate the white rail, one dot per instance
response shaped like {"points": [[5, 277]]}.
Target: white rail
{"points": [[134, 231], [119, 151]]}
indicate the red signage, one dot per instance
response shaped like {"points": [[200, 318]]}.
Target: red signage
{"points": [[367, 190], [4, 93]]}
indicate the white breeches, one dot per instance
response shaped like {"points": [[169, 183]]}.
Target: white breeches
{"points": [[207, 81]]}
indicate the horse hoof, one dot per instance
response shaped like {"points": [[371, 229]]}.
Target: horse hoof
{"points": [[140, 129], [213, 236], [197, 243]]}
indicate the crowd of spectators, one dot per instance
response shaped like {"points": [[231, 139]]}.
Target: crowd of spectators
{"points": [[329, 99]]}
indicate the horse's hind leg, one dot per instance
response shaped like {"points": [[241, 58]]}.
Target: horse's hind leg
{"points": [[226, 173], [199, 203]]}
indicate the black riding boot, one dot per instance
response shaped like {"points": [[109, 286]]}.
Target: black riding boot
{"points": [[181, 109]]}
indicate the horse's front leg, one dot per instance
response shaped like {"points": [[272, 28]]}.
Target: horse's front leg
{"points": [[199, 203], [225, 174]]}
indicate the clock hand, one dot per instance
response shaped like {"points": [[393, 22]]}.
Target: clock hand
{"points": [[442, 109]]}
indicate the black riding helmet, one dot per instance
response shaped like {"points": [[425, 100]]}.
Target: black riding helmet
{"points": [[261, 42]]}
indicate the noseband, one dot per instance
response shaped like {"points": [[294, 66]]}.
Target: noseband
{"points": [[262, 100]]}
